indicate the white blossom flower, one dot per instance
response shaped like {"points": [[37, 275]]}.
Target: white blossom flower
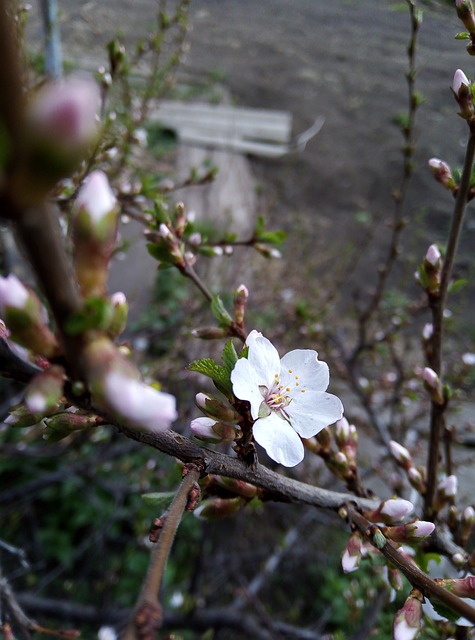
{"points": [[287, 397]]}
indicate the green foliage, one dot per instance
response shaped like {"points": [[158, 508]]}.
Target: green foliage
{"points": [[268, 237], [218, 374], [220, 313]]}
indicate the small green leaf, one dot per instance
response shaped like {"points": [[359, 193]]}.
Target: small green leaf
{"points": [[160, 253], [463, 35], [445, 611], [96, 313], [220, 313], [218, 374], [160, 500], [457, 285], [229, 356], [272, 237]]}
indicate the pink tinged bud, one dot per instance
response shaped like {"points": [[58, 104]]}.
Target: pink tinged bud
{"points": [[351, 556], [24, 315], [463, 587], [448, 487], [12, 294], [45, 391], [138, 404], [120, 310], [395, 510], [217, 508], [94, 232], [468, 516], [427, 331], [95, 197], [400, 454], [395, 579], [239, 487], [408, 620], [459, 82], [430, 378], [211, 430], [433, 256], [68, 111], [342, 431], [419, 529], [416, 479], [441, 172]]}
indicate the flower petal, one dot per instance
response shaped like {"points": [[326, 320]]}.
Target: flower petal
{"points": [[264, 359], [312, 411], [313, 374], [279, 440], [246, 385]]}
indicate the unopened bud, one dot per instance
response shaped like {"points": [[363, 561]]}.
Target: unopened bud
{"points": [[433, 256], [342, 432], [433, 385], [24, 315], [267, 252], [463, 94], [351, 556], [417, 530], [209, 333], [465, 13], [240, 301], [120, 309], [94, 231], [466, 523], [215, 408], [211, 430], [394, 579], [239, 487], [416, 479], [217, 508], [442, 173], [408, 619], [393, 510], [45, 391], [400, 454]]}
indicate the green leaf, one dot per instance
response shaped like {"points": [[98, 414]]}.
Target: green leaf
{"points": [[445, 611], [96, 313], [457, 285], [218, 374], [160, 253], [229, 356], [161, 500], [220, 313], [463, 35], [272, 237]]}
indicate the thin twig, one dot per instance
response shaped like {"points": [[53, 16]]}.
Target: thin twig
{"points": [[416, 577]]}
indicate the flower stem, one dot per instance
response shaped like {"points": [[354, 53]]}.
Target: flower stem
{"points": [[437, 304]]}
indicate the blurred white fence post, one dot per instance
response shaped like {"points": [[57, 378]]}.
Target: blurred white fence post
{"points": [[53, 56]]}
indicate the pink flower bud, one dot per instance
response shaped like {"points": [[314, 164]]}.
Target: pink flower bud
{"points": [[408, 620], [12, 294], [203, 428], [351, 556], [342, 431], [427, 331], [416, 479], [433, 256], [45, 391], [430, 377], [395, 509], [94, 232], [442, 173], [95, 197], [419, 529], [25, 317], [400, 453], [120, 310], [460, 80], [217, 508], [138, 404], [448, 487]]}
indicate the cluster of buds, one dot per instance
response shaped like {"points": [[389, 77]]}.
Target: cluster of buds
{"points": [[443, 174], [408, 619], [219, 422], [404, 460], [343, 461], [429, 272], [25, 318], [462, 90], [223, 497]]}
